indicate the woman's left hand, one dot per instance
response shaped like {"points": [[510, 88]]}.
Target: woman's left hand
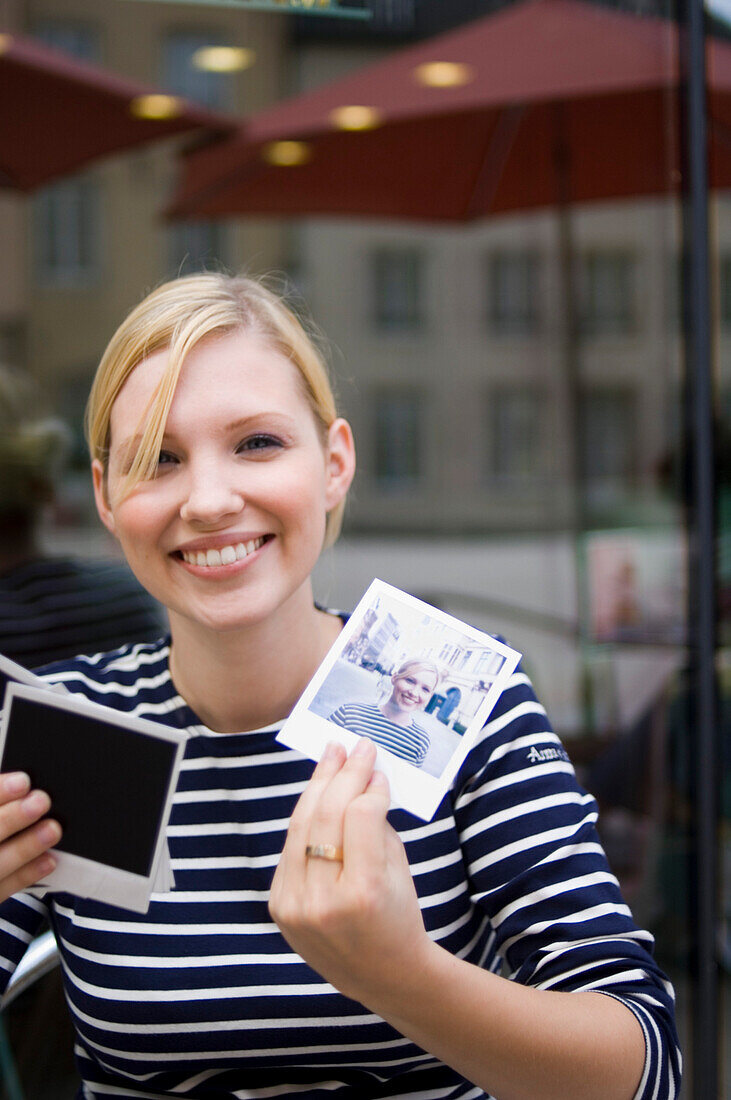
{"points": [[356, 922]]}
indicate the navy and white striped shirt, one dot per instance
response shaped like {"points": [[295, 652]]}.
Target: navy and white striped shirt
{"points": [[409, 743], [202, 997]]}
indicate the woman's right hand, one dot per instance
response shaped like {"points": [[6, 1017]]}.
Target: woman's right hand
{"points": [[26, 834]]}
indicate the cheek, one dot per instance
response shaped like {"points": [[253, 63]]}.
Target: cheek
{"points": [[138, 519], [301, 496]]}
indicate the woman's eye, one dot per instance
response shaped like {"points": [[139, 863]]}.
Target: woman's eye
{"points": [[261, 442], [165, 458]]}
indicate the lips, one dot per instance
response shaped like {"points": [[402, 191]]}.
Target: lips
{"points": [[222, 555]]}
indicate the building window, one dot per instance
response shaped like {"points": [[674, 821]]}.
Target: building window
{"points": [[517, 452], [181, 76], [513, 292], [66, 215], [608, 428], [66, 221], [79, 39], [197, 246], [395, 16], [398, 430], [607, 293], [397, 282]]}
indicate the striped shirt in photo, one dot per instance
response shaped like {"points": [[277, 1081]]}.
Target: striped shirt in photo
{"points": [[409, 743]]}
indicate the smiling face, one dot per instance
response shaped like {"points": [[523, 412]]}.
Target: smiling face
{"points": [[413, 687], [228, 530]]}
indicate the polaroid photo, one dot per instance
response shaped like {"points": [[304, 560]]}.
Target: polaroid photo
{"points": [[13, 673], [111, 779], [416, 681]]}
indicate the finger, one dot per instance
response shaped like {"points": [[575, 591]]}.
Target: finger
{"points": [[19, 813], [366, 828], [22, 857], [291, 862], [27, 875], [327, 768], [326, 823], [13, 785]]}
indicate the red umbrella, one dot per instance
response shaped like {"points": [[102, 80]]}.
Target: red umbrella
{"points": [[59, 114], [555, 101]]}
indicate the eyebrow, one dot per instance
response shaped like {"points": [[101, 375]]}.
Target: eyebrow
{"points": [[132, 443], [244, 421]]}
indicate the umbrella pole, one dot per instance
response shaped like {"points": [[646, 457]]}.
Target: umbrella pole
{"points": [[702, 605], [570, 367]]}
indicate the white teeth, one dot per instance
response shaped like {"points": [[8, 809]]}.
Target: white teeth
{"points": [[227, 555]]}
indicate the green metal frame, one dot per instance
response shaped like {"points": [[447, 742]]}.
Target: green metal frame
{"points": [[10, 1086]]}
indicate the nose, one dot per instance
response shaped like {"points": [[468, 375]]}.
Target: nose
{"points": [[211, 496]]}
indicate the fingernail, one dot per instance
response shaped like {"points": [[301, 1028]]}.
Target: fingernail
{"points": [[331, 750], [378, 779], [37, 802], [16, 783], [49, 832], [363, 748], [45, 865]]}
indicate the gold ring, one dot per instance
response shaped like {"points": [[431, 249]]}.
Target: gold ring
{"points": [[331, 852]]}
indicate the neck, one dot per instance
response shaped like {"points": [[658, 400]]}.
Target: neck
{"points": [[395, 714], [244, 679]]}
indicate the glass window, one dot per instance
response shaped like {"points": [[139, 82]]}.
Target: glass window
{"points": [[398, 429], [197, 246], [79, 39], [607, 293], [66, 214], [66, 220], [517, 436], [513, 289], [397, 282], [608, 443], [181, 76]]}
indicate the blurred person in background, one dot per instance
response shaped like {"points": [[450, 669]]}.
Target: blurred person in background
{"points": [[53, 607]]}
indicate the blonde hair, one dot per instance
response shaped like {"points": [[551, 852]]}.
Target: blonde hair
{"points": [[416, 662], [178, 315]]}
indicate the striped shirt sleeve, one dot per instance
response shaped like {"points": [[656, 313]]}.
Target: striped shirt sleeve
{"points": [[21, 919], [536, 865]]}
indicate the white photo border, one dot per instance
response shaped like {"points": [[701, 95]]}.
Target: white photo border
{"points": [[411, 789], [79, 875]]}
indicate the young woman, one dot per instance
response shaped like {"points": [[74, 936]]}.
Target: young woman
{"points": [[391, 723], [315, 945]]}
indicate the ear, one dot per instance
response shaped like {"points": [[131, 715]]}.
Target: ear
{"points": [[100, 497], [340, 462]]}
